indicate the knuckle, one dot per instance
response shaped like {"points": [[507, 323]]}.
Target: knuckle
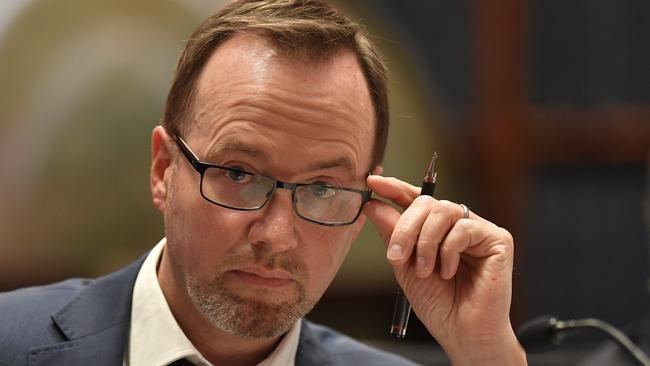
{"points": [[464, 225], [445, 207], [426, 244], [424, 200], [506, 236], [401, 233], [508, 246]]}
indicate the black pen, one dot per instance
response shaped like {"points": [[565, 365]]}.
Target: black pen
{"points": [[402, 307]]}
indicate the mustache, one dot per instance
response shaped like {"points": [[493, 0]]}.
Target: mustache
{"points": [[264, 258]]}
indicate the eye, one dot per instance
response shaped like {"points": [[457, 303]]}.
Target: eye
{"points": [[236, 174], [321, 191]]}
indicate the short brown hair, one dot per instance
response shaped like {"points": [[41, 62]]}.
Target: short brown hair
{"points": [[310, 29]]}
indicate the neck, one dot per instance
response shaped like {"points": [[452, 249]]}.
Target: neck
{"points": [[215, 345]]}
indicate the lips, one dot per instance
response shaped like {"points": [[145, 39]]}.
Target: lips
{"points": [[264, 277]]}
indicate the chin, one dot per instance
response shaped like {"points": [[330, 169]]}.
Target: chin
{"points": [[248, 315]]}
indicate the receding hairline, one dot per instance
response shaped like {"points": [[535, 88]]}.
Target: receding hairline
{"points": [[289, 55], [285, 58], [310, 30]]}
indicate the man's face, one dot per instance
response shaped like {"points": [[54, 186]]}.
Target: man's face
{"points": [[253, 273]]}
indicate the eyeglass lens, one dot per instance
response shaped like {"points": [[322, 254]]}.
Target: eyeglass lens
{"points": [[242, 190]]}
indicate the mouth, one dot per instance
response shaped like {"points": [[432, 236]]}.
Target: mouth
{"points": [[262, 277]]}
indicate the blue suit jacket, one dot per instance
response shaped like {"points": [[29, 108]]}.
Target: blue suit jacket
{"points": [[86, 322]]}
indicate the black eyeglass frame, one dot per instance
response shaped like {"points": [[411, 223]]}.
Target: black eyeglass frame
{"points": [[201, 167]]}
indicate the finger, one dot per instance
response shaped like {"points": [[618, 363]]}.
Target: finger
{"points": [[475, 238], [383, 216], [473, 215], [442, 217], [426, 253], [407, 230], [400, 192], [456, 242]]}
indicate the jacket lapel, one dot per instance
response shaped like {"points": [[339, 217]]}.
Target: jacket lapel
{"points": [[310, 352], [95, 324]]}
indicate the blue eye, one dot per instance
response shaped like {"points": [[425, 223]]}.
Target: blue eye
{"points": [[321, 191], [236, 175]]}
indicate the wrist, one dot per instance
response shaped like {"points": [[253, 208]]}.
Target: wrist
{"points": [[502, 351]]}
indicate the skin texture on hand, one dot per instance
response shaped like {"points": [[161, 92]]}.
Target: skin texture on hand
{"points": [[455, 271]]}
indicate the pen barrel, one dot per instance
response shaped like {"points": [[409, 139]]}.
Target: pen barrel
{"points": [[401, 314], [402, 308], [428, 189]]}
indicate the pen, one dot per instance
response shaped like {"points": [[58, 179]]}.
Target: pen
{"points": [[402, 307]]}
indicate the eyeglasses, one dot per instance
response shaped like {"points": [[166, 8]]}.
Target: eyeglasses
{"points": [[234, 188]]}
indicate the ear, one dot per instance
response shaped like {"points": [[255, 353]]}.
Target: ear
{"points": [[378, 170], [160, 163]]}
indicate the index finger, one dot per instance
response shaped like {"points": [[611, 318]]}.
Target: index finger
{"points": [[399, 192]]}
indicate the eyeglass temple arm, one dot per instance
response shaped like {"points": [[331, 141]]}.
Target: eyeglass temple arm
{"points": [[191, 157], [367, 194]]}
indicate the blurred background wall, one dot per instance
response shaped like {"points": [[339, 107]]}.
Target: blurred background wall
{"points": [[540, 111]]}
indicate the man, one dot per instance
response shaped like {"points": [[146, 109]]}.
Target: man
{"points": [[273, 133]]}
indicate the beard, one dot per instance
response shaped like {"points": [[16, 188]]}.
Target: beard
{"points": [[247, 312], [244, 316]]}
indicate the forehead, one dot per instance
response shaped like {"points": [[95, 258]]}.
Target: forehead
{"points": [[248, 88]]}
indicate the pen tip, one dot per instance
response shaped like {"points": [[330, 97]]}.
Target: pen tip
{"points": [[432, 164], [431, 170]]}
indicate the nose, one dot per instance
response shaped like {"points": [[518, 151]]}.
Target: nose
{"points": [[274, 228]]}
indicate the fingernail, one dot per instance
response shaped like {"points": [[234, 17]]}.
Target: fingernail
{"points": [[420, 266], [395, 252]]}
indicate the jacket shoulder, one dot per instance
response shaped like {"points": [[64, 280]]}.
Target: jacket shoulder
{"points": [[25, 315], [344, 350], [30, 301]]}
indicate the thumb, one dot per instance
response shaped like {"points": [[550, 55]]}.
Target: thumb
{"points": [[383, 216]]}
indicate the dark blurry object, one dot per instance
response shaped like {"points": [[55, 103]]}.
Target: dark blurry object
{"points": [[611, 353], [546, 332]]}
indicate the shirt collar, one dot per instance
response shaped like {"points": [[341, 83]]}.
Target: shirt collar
{"points": [[156, 339]]}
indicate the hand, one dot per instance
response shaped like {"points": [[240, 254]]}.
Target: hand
{"points": [[455, 271]]}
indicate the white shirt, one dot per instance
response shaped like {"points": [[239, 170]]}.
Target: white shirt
{"points": [[155, 337]]}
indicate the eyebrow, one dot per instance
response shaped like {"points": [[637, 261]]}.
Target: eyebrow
{"points": [[329, 164], [235, 144]]}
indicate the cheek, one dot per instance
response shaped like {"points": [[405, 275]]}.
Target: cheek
{"points": [[326, 255], [199, 234]]}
